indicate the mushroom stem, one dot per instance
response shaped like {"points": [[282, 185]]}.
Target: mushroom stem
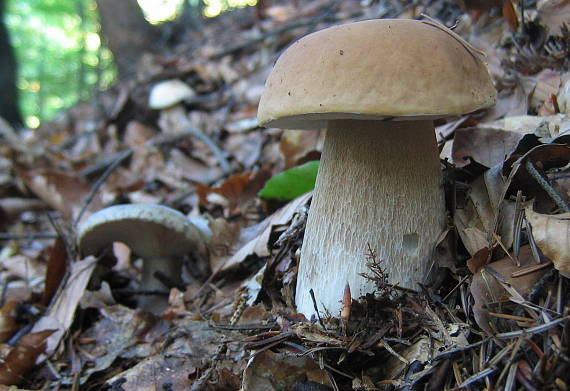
{"points": [[379, 184], [170, 267]]}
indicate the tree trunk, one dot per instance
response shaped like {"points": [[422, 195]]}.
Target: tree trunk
{"points": [[9, 109], [126, 32]]}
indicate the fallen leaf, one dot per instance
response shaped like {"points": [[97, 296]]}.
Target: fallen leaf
{"points": [[8, 320], [62, 312], [552, 235], [235, 191], [479, 259], [486, 146], [22, 357], [63, 192], [255, 240], [487, 291], [295, 145], [554, 14], [269, 371], [56, 267], [510, 15]]}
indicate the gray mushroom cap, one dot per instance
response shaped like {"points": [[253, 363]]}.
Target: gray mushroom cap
{"points": [[151, 231]]}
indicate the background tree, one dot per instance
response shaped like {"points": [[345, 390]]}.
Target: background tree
{"points": [[126, 32], [9, 108]]}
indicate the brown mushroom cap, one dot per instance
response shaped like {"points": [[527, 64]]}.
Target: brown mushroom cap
{"points": [[151, 231], [374, 69]]}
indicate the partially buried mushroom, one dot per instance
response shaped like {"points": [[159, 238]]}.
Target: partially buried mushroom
{"points": [[161, 236], [376, 86]]}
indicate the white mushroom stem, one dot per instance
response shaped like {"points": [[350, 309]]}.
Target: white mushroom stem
{"points": [[379, 184]]}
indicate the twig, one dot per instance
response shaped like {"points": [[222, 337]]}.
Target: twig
{"points": [[533, 330], [29, 236], [454, 351], [112, 167], [455, 288], [546, 186], [517, 226], [312, 293], [476, 377]]}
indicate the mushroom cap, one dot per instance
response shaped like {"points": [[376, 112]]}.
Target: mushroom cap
{"points": [[168, 93], [149, 230], [375, 69]]}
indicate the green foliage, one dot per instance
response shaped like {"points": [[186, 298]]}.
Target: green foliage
{"points": [[291, 183], [59, 54]]}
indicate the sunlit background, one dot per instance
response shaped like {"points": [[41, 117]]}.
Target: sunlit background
{"points": [[60, 56]]}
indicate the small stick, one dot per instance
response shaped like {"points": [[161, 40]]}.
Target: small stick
{"points": [[546, 186], [312, 293], [29, 236], [112, 167]]}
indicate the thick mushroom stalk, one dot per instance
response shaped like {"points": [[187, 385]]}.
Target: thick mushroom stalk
{"points": [[379, 184], [159, 235]]}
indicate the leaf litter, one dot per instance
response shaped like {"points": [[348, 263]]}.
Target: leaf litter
{"points": [[496, 316]]}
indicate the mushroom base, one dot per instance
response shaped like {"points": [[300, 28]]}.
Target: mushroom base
{"points": [[379, 185]]}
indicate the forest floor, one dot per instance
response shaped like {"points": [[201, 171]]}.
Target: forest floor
{"points": [[497, 318]]}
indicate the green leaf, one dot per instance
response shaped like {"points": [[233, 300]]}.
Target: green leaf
{"points": [[291, 183]]}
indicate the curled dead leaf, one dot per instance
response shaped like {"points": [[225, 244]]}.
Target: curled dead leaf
{"points": [[495, 283], [552, 235], [22, 357]]}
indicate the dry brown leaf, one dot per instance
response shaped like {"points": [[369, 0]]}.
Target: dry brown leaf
{"points": [[259, 242], [487, 290], [475, 221], [235, 191], [56, 268], [510, 15], [509, 104], [552, 235], [8, 320], [27, 268], [269, 371], [295, 145], [486, 146], [554, 14], [62, 313], [543, 85], [479, 259], [22, 357], [63, 192], [245, 147]]}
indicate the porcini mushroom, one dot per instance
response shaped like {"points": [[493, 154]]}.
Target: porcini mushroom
{"points": [[376, 86], [159, 235]]}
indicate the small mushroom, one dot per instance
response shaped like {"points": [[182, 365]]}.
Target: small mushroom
{"points": [[158, 234], [376, 86], [169, 93]]}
